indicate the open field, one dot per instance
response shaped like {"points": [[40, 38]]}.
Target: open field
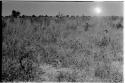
{"points": [[62, 49]]}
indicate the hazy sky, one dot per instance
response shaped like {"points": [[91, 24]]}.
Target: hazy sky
{"points": [[67, 8]]}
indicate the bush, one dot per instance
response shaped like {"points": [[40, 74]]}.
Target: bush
{"points": [[119, 26], [33, 16], [3, 24], [15, 13]]}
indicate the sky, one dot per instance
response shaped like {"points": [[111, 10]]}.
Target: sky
{"points": [[66, 8]]}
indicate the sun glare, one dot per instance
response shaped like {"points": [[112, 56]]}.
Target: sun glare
{"points": [[97, 10]]}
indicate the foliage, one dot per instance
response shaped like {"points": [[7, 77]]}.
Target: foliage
{"points": [[15, 13], [3, 24]]}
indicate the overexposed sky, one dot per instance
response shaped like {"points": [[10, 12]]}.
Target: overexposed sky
{"points": [[66, 8]]}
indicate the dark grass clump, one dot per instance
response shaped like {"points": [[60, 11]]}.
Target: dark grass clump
{"points": [[4, 24], [66, 77], [103, 72]]}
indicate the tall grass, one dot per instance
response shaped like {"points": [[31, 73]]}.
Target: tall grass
{"points": [[62, 43]]}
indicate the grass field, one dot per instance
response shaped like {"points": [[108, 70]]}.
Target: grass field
{"points": [[62, 49]]}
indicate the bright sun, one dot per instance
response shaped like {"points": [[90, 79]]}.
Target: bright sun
{"points": [[98, 10]]}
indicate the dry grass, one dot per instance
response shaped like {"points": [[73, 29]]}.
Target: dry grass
{"points": [[73, 49]]}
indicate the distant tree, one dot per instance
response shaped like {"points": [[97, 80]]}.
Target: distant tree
{"points": [[72, 17], [50, 16], [15, 13], [23, 16], [59, 15], [40, 15], [46, 15], [33, 16], [67, 15]]}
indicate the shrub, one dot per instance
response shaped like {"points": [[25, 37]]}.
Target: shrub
{"points": [[15, 13], [118, 26], [23, 16], [33, 16], [3, 24]]}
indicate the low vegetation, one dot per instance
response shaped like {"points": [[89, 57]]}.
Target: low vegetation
{"points": [[62, 48]]}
